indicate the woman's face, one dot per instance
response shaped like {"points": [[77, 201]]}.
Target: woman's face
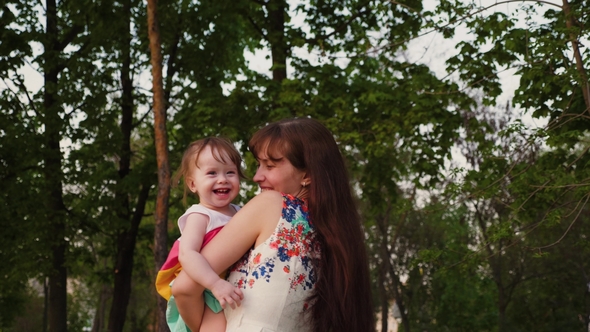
{"points": [[280, 176]]}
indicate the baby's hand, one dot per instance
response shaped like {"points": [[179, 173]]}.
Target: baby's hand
{"points": [[226, 294]]}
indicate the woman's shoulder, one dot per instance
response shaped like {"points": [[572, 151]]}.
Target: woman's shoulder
{"points": [[262, 212], [268, 203], [266, 197], [271, 196]]}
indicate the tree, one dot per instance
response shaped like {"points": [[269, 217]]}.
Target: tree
{"points": [[553, 84], [20, 175], [159, 107], [89, 138], [73, 109]]}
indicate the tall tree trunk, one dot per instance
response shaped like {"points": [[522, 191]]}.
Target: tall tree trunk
{"points": [[127, 233], [383, 225], [279, 48], [45, 303], [570, 24], [98, 324], [495, 263], [397, 286], [383, 268], [496, 253], [276, 37], [55, 209], [124, 266], [161, 140], [397, 290], [497, 271]]}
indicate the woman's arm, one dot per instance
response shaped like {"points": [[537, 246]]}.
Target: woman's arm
{"points": [[250, 226], [253, 224]]}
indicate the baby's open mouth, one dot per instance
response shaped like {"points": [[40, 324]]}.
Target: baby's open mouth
{"points": [[221, 191]]}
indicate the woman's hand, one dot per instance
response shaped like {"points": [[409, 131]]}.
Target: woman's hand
{"points": [[227, 294]]}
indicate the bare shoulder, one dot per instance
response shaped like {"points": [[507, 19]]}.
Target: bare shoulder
{"points": [[265, 203], [266, 197], [265, 210]]}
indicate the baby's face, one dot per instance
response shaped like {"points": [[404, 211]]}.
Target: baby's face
{"points": [[217, 183]]}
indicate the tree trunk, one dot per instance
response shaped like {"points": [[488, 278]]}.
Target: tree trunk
{"points": [[128, 233], [161, 142], [400, 303], [397, 286], [384, 299], [502, 298], [383, 268], [55, 209], [569, 22], [276, 37], [124, 267], [279, 48], [98, 324], [45, 303], [383, 225]]}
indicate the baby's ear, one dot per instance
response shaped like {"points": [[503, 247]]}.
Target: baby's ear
{"points": [[190, 183]]}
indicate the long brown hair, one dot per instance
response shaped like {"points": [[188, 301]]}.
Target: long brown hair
{"points": [[221, 148], [342, 294]]}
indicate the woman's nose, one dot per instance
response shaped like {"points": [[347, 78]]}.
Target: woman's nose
{"points": [[258, 176]]}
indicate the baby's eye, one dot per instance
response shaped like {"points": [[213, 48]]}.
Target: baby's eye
{"points": [[211, 173], [231, 172]]}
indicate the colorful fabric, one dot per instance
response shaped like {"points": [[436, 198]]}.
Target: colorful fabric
{"points": [[175, 321], [173, 318], [278, 276], [165, 280], [172, 268], [211, 301]]}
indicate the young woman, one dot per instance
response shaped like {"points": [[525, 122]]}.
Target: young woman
{"points": [[305, 267]]}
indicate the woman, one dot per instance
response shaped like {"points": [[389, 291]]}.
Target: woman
{"points": [[308, 268]]}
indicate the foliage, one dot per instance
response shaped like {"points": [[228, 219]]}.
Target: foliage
{"points": [[495, 243]]}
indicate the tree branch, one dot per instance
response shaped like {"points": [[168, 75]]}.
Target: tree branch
{"points": [[569, 23], [439, 28], [257, 28], [570, 226], [69, 37], [339, 28], [22, 86]]}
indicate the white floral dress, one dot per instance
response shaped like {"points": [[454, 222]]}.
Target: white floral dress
{"points": [[278, 276]]}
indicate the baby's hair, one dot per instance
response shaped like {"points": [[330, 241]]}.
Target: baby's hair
{"points": [[221, 149]]}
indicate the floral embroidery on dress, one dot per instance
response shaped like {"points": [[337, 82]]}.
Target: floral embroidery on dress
{"points": [[293, 241]]}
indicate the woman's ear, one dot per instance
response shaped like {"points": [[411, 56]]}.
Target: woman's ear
{"points": [[306, 181]]}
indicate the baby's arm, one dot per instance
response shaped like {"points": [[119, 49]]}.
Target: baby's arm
{"points": [[197, 267]]}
